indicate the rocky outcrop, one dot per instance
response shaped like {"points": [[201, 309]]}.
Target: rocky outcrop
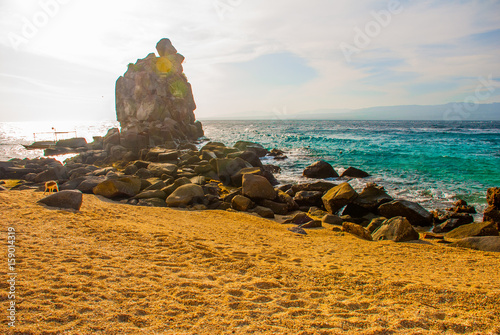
{"points": [[483, 243], [354, 173], [154, 101], [473, 229]]}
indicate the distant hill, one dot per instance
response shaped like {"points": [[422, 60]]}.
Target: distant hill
{"points": [[447, 112]]}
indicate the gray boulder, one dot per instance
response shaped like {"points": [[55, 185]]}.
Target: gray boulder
{"points": [[257, 187], [338, 196], [320, 170], [68, 199], [114, 188], [483, 243]]}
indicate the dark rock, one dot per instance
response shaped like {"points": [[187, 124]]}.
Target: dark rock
{"points": [[375, 224], [461, 206], [76, 142], [89, 183], [168, 156], [184, 195], [356, 230], [297, 230], [372, 196], [177, 183], [355, 210], [332, 219], [299, 219], [453, 222], [277, 208], [257, 187], [492, 213], [286, 199], [416, 214], [67, 199], [250, 157], [56, 172], [237, 178], [151, 194], [227, 168], [144, 173], [241, 203], [354, 173], [316, 213], [311, 224], [250, 146], [320, 186], [473, 229], [158, 169], [338, 197], [483, 243], [264, 212], [320, 170], [124, 187], [131, 169], [308, 198], [397, 229]]}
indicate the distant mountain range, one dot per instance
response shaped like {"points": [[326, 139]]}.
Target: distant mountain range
{"points": [[447, 112]]}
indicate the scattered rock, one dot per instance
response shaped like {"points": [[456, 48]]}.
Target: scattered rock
{"points": [[257, 187], [473, 229], [68, 199], [241, 203], [276, 207], [453, 223], [338, 196], [397, 229], [493, 197], [184, 195], [372, 196], [297, 230], [416, 214], [151, 194], [299, 219], [357, 230], [308, 198], [483, 243], [332, 219], [354, 173], [264, 212], [320, 170], [461, 206], [375, 224], [312, 224]]}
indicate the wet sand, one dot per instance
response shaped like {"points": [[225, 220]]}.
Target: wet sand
{"points": [[116, 269]]}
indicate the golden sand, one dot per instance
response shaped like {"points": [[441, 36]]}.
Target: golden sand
{"points": [[117, 269]]}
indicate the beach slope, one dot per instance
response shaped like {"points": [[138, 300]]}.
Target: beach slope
{"points": [[117, 269]]}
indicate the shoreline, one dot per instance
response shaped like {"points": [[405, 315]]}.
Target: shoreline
{"points": [[147, 269]]}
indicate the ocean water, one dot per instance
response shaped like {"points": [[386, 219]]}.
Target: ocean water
{"points": [[430, 162]]}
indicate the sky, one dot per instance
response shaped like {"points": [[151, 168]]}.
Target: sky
{"points": [[60, 58]]}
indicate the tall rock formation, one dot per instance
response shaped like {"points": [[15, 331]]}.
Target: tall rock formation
{"points": [[154, 101]]}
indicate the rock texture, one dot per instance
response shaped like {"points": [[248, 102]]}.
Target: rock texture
{"points": [[69, 199], [154, 101], [397, 229]]}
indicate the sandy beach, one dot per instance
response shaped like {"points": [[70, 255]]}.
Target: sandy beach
{"points": [[117, 269]]}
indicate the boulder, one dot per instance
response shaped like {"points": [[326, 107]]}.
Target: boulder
{"points": [[356, 230], [483, 243], [453, 223], [397, 229], [375, 224], [241, 203], [176, 184], [354, 173], [227, 168], [55, 172], [257, 187], [332, 219], [158, 169], [492, 214], [286, 199], [151, 194], [297, 230], [68, 199], [461, 206], [263, 212], [259, 150], [312, 224], [416, 214], [320, 186], [114, 188], [338, 196], [237, 178], [276, 207], [152, 202], [184, 195], [320, 170], [308, 198], [473, 229], [299, 219], [88, 184], [372, 196]]}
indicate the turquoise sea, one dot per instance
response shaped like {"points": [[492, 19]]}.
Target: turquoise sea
{"points": [[431, 162]]}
